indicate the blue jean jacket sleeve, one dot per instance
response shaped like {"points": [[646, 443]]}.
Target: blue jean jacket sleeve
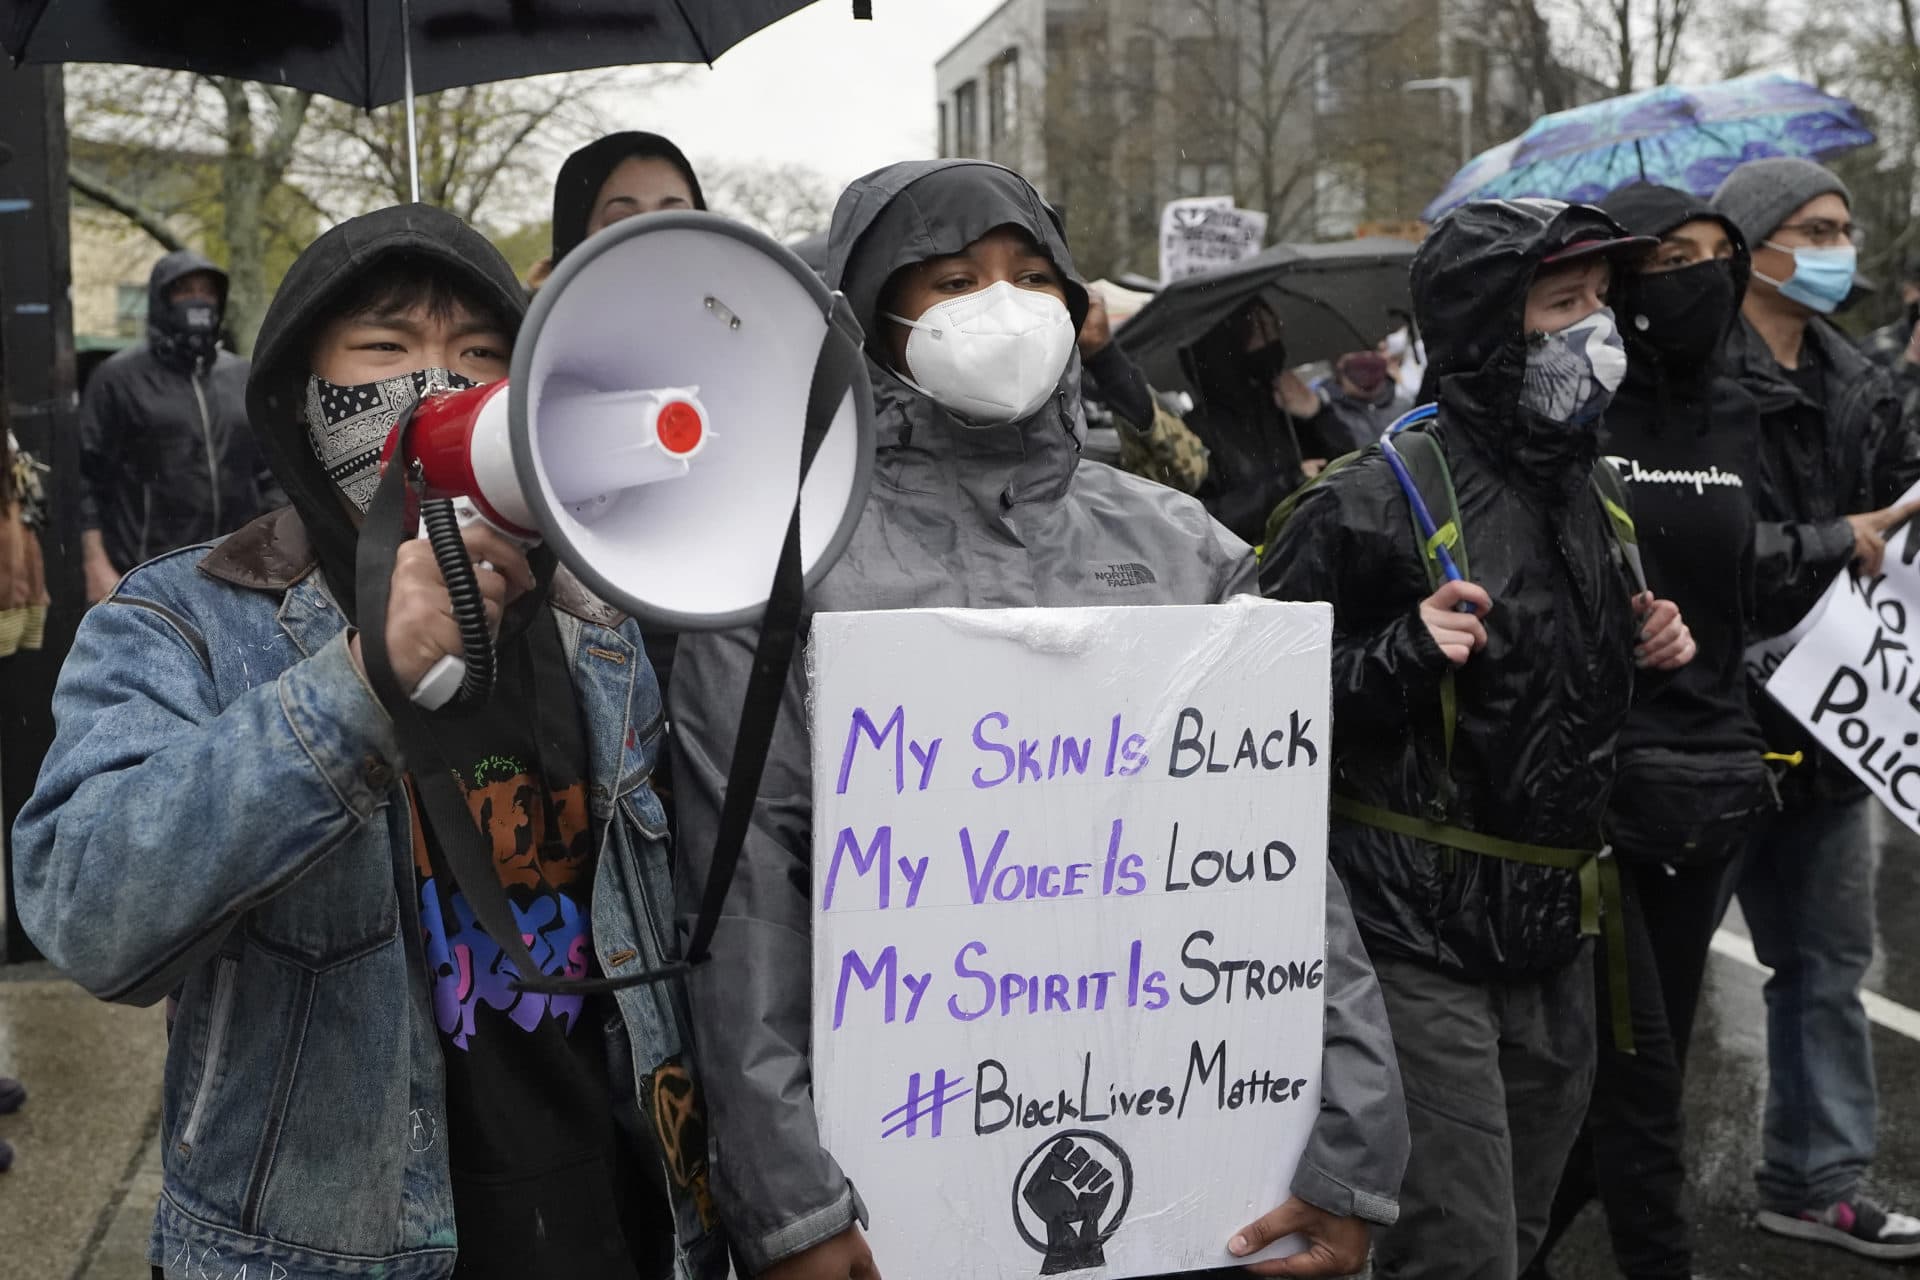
{"points": [[162, 816]]}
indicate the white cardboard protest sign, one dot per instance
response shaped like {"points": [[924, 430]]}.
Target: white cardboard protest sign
{"points": [[1206, 233], [1069, 874], [1853, 679]]}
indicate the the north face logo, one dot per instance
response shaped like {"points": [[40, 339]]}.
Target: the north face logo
{"points": [[1125, 575]]}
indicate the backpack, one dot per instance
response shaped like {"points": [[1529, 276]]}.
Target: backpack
{"points": [[1428, 466], [1600, 892]]}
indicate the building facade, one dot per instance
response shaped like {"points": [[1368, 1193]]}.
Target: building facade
{"points": [[1297, 107]]}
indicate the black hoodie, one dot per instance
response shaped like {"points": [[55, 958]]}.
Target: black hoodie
{"points": [[1254, 448], [1685, 439], [1541, 706], [283, 357], [164, 448]]}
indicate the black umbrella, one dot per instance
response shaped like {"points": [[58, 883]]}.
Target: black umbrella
{"points": [[1332, 298], [373, 52]]}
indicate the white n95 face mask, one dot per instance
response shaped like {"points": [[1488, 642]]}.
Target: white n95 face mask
{"points": [[990, 357]]}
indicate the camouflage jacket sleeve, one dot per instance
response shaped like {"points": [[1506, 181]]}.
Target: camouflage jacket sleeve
{"points": [[1166, 450]]}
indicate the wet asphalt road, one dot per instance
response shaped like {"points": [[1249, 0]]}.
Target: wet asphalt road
{"points": [[1726, 1089]]}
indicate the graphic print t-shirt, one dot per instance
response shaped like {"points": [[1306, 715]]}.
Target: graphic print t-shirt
{"points": [[542, 1184]]}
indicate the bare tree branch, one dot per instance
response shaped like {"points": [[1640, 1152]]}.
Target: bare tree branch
{"points": [[104, 194]]}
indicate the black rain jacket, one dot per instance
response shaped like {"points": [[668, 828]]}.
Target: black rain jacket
{"points": [[1541, 706], [166, 458], [1866, 458], [1254, 447]]}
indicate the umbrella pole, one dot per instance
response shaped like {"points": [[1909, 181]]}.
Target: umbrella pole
{"points": [[413, 133]]}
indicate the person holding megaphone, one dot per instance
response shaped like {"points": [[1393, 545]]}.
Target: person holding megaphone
{"points": [[960, 275], [360, 1081]]}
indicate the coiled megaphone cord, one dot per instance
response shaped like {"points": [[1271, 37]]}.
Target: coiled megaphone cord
{"points": [[469, 606]]}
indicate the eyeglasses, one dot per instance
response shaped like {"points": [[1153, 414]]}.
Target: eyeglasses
{"points": [[1824, 232]]}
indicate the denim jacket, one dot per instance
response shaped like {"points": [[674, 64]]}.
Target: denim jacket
{"points": [[220, 817]]}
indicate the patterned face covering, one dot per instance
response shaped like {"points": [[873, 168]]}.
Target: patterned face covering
{"points": [[348, 426], [1572, 374]]}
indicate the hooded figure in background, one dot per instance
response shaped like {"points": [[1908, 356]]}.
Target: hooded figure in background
{"points": [[1463, 739], [222, 818], [960, 274], [615, 177], [1255, 447], [1362, 400], [166, 457], [1692, 776]]}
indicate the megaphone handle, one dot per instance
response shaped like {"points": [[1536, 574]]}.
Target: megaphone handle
{"points": [[441, 684], [468, 676]]}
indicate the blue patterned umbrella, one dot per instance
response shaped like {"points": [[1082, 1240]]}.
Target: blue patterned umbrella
{"points": [[1689, 138]]}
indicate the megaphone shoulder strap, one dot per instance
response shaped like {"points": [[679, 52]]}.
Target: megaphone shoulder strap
{"points": [[833, 372], [444, 807]]}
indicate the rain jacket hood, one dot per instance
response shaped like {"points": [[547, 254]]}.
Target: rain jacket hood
{"points": [[587, 170], [330, 268], [985, 518], [168, 343], [907, 213], [1470, 282]]}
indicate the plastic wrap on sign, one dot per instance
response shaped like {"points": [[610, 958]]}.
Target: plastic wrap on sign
{"points": [[1069, 908]]}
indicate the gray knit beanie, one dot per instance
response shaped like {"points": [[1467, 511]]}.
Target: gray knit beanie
{"points": [[1762, 194]]}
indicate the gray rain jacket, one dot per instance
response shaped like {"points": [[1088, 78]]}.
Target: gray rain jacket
{"points": [[985, 518]]}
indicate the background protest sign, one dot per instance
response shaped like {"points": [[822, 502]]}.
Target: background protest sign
{"points": [[1069, 905], [1853, 679], [1206, 233]]}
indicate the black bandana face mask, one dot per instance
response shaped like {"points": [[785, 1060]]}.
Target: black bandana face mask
{"points": [[1683, 314], [348, 426], [186, 334]]}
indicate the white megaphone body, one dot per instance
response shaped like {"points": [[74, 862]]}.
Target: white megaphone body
{"points": [[651, 427]]}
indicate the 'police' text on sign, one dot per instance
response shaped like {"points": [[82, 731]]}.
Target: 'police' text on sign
{"points": [[1069, 903], [1854, 678]]}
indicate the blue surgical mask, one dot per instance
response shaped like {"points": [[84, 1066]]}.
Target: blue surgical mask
{"points": [[1821, 279]]}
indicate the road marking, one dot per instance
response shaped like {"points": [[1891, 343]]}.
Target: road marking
{"points": [[1893, 1016]]}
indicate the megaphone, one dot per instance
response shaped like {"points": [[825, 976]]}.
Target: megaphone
{"points": [[650, 430]]}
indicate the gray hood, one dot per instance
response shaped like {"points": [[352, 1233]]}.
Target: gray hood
{"points": [[907, 213]]}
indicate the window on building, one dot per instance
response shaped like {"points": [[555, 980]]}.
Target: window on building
{"points": [[1342, 72], [1202, 83], [1003, 96], [966, 119], [1009, 113], [1140, 68], [996, 101], [1203, 178], [130, 310], [1339, 200], [945, 148]]}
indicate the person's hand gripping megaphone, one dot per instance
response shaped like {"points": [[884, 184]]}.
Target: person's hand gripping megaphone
{"points": [[478, 524], [421, 630]]}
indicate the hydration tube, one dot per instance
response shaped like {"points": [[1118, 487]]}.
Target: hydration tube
{"points": [[1422, 518], [1420, 413]]}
